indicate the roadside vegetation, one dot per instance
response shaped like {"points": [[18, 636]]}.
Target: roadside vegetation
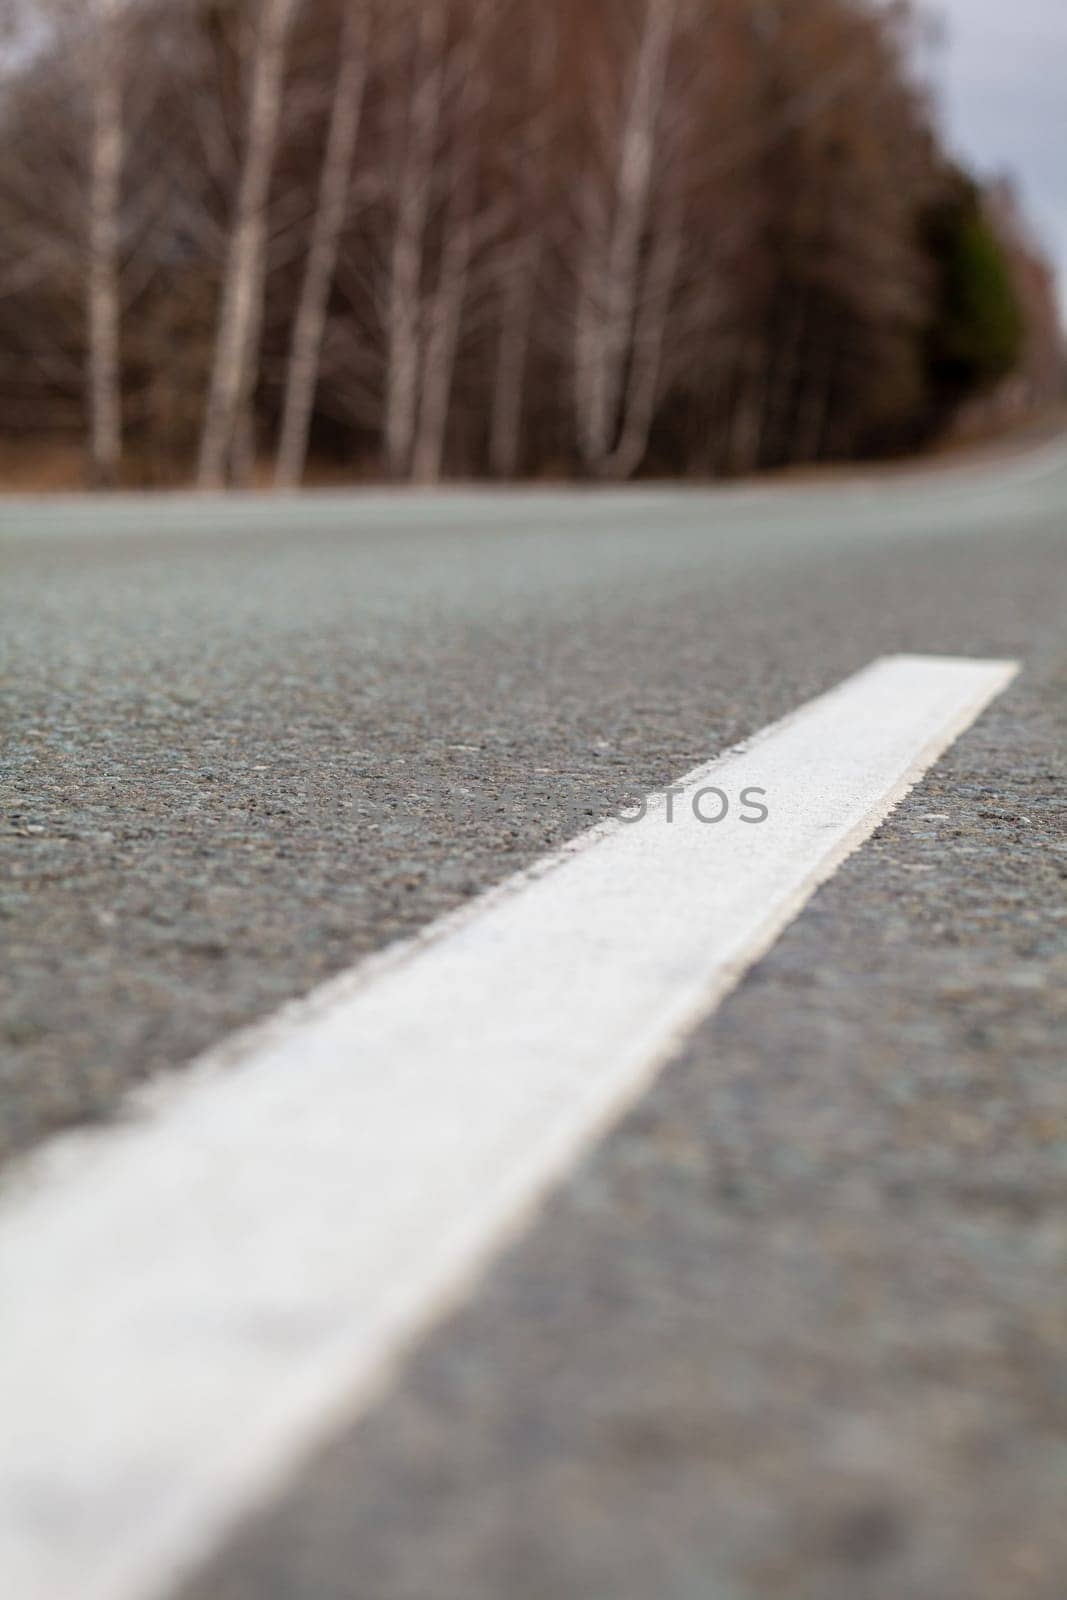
{"points": [[280, 241]]}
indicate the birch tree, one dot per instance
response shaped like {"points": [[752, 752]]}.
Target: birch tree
{"points": [[103, 266], [419, 131], [522, 262], [235, 362], [330, 214], [439, 345], [444, 311], [614, 230], [646, 357], [493, 235]]}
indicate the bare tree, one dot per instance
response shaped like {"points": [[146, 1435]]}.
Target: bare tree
{"points": [[524, 251], [614, 232], [419, 133], [438, 348], [236, 354], [460, 225], [642, 389], [103, 267], [331, 211], [491, 235]]}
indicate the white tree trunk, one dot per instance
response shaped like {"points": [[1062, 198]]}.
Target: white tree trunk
{"points": [[404, 309], [520, 289], [594, 224], [309, 326], [441, 334], [646, 358], [105, 185], [241, 311], [446, 312], [509, 385], [612, 273]]}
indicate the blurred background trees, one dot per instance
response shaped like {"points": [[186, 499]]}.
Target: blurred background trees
{"points": [[258, 240]]}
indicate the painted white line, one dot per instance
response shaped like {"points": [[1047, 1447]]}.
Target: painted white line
{"points": [[193, 1297]]}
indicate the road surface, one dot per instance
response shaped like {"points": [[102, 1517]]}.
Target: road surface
{"points": [[795, 1327]]}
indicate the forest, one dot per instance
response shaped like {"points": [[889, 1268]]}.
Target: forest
{"points": [[274, 242]]}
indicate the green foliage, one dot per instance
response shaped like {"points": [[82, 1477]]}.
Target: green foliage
{"points": [[978, 331]]}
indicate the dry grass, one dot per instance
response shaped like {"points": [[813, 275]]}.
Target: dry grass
{"points": [[41, 466]]}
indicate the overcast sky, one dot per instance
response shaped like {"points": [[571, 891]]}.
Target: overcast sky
{"points": [[1003, 68]]}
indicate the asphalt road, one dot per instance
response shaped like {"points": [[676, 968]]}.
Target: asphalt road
{"points": [[797, 1328]]}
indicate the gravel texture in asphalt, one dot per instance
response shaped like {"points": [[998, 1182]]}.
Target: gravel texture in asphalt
{"points": [[796, 1329], [245, 745]]}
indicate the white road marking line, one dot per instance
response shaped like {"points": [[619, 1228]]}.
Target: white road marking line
{"points": [[192, 1298]]}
